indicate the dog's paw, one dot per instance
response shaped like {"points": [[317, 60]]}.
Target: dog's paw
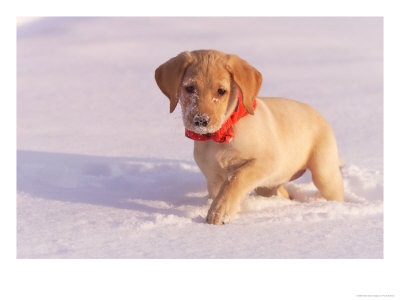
{"points": [[220, 215], [216, 218]]}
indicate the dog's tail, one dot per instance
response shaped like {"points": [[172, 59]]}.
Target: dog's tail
{"points": [[341, 163]]}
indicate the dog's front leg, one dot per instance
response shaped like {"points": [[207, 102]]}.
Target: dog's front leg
{"points": [[236, 186], [214, 183]]}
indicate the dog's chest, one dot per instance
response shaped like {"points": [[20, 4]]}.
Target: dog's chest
{"points": [[218, 157]]}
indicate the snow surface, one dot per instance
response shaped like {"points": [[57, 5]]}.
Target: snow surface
{"points": [[104, 171]]}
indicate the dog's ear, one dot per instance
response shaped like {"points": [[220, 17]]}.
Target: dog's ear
{"points": [[247, 78], [170, 74]]}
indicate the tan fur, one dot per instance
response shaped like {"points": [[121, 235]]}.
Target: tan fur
{"points": [[271, 147]]}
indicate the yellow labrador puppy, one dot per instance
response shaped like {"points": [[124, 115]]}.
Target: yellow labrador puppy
{"points": [[243, 142]]}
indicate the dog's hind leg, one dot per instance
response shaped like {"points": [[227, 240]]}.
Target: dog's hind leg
{"points": [[325, 168], [283, 193], [279, 191], [329, 182]]}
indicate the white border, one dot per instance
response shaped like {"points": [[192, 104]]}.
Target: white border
{"points": [[199, 279]]}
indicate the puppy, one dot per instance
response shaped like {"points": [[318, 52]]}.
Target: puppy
{"points": [[243, 142]]}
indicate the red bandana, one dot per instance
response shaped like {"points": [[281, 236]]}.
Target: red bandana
{"points": [[225, 133]]}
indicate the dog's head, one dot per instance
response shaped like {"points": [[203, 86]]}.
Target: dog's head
{"points": [[205, 83]]}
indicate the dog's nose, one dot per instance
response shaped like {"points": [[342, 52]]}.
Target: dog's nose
{"points": [[201, 120]]}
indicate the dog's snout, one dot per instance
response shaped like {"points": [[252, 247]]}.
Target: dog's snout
{"points": [[201, 120]]}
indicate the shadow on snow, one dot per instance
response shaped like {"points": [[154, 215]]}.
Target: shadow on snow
{"points": [[110, 181]]}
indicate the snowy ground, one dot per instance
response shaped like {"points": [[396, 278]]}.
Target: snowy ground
{"points": [[104, 171]]}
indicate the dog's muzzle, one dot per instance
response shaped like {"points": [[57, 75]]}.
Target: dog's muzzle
{"points": [[201, 120]]}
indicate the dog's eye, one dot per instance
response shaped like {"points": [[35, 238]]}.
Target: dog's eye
{"points": [[190, 89], [221, 91]]}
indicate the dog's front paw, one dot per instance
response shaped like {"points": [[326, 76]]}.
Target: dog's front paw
{"points": [[220, 214], [216, 218]]}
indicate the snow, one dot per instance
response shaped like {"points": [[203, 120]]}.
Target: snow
{"points": [[104, 171]]}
